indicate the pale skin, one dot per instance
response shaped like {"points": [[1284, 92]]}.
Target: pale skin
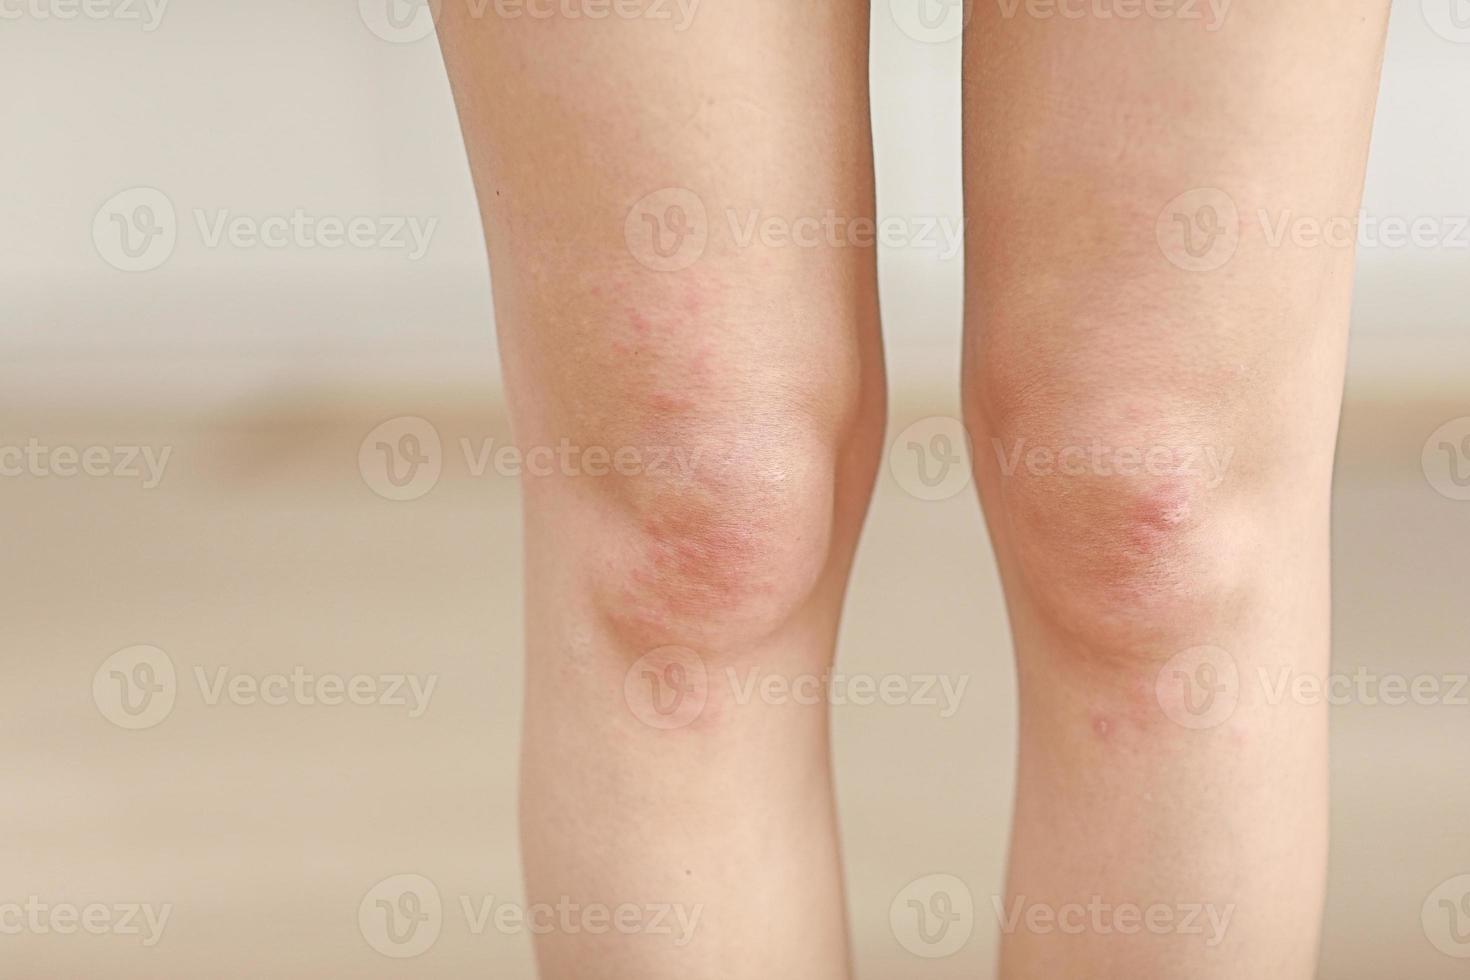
{"points": [[761, 363]]}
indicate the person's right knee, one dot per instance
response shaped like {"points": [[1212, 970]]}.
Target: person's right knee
{"points": [[755, 456]]}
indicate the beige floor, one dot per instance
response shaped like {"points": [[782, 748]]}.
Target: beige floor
{"points": [[264, 826]]}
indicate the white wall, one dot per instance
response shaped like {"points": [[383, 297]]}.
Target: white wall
{"points": [[260, 108]]}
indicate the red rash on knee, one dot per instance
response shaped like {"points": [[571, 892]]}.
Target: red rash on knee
{"points": [[725, 556]]}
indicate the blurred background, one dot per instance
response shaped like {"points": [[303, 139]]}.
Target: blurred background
{"points": [[197, 525]]}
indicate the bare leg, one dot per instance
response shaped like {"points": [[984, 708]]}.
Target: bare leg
{"points": [[1154, 406], [646, 777]]}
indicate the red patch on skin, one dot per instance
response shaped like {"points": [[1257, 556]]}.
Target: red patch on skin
{"points": [[1165, 514], [1102, 727], [671, 404]]}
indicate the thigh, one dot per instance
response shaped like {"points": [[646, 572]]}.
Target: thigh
{"points": [[1137, 173], [649, 180], [1159, 204]]}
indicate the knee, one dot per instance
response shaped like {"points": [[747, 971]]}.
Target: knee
{"points": [[723, 549], [1127, 519]]}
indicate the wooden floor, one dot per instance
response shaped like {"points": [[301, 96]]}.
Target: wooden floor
{"points": [[265, 826]]}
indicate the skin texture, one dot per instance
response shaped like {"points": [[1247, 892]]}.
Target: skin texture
{"points": [[1086, 326], [1099, 330], [760, 363]]}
